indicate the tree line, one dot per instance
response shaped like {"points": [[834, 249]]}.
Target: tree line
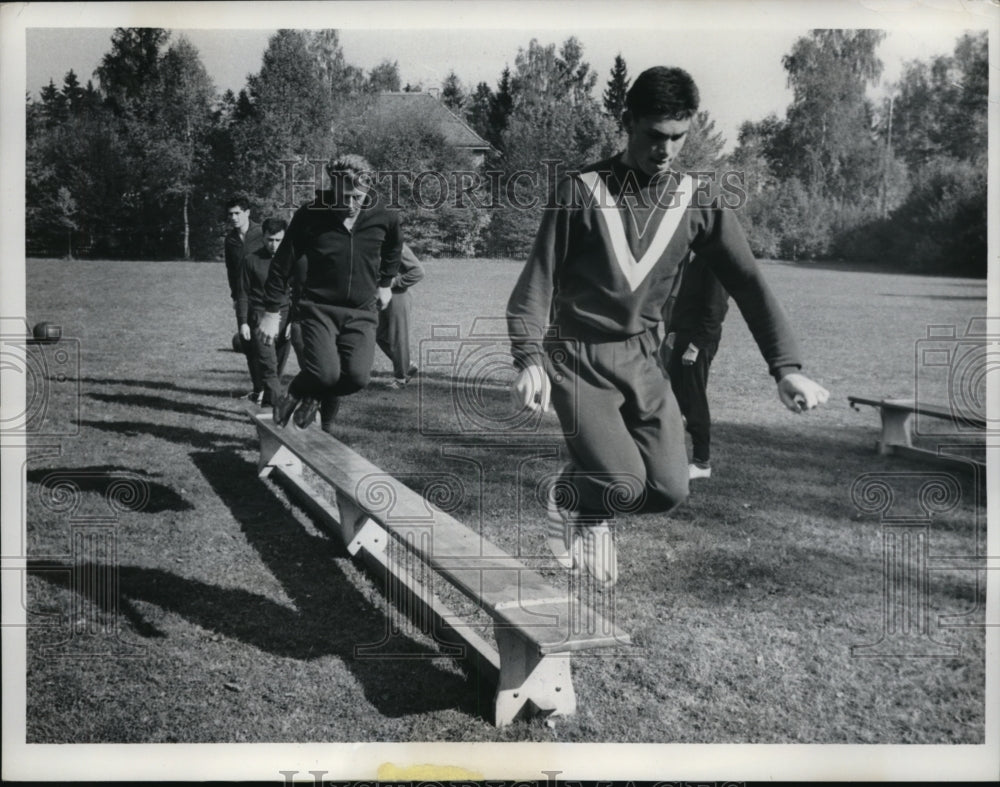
{"points": [[139, 165]]}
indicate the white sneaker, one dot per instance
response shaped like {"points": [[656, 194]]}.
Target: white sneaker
{"points": [[559, 533], [694, 471], [599, 553], [559, 539]]}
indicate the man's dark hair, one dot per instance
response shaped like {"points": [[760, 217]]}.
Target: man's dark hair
{"points": [[273, 226], [663, 91], [238, 199]]}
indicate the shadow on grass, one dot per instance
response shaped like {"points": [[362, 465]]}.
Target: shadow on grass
{"points": [[333, 617], [177, 434], [216, 393], [170, 405], [328, 616], [812, 473], [101, 478], [810, 470]]}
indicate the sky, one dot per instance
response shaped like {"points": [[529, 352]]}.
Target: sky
{"points": [[734, 57]]}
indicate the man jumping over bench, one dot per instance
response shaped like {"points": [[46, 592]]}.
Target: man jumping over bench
{"points": [[352, 251], [604, 262]]}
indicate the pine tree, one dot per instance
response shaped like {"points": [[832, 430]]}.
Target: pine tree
{"points": [[73, 93], [614, 95], [53, 105], [129, 70], [452, 94], [554, 120], [477, 112], [500, 109]]}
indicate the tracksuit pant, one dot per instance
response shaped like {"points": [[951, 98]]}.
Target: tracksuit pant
{"points": [[393, 334], [690, 386], [622, 426], [266, 361], [338, 349]]}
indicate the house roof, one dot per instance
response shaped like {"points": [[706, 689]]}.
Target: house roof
{"points": [[455, 130]]}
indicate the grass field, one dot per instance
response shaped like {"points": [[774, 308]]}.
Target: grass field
{"points": [[231, 618]]}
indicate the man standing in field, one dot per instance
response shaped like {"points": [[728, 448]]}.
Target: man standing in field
{"points": [[265, 360], [693, 322], [352, 250], [394, 321], [243, 235], [603, 264]]}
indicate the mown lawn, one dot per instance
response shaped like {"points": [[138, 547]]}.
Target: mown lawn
{"points": [[231, 618]]}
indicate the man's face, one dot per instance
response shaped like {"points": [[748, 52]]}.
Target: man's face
{"points": [[238, 218], [654, 141], [348, 197], [271, 242]]}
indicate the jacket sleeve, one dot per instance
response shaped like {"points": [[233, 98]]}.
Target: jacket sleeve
{"points": [[529, 306], [723, 246], [278, 275], [233, 247], [714, 305], [392, 249], [243, 293], [410, 270]]}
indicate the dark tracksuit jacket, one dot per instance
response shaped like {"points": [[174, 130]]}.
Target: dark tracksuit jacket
{"points": [[235, 249], [336, 306], [603, 264], [265, 360]]}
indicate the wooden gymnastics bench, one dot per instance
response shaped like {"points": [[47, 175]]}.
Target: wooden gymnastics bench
{"points": [[536, 626], [897, 434]]}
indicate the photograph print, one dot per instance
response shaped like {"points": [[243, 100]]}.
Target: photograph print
{"points": [[385, 378]]}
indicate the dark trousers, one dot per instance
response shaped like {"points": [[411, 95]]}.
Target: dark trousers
{"points": [[266, 361], [622, 427], [296, 340], [338, 349], [393, 335], [690, 386]]}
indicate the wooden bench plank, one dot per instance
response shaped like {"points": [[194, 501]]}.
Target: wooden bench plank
{"points": [[555, 621], [930, 410]]}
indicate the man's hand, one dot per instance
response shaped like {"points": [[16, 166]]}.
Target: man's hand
{"points": [[383, 295], [690, 355], [244, 331], [799, 393], [532, 389], [269, 326], [288, 331]]}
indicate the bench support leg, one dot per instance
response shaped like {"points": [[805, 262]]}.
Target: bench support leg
{"points": [[352, 518], [531, 683], [274, 454], [895, 429]]}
